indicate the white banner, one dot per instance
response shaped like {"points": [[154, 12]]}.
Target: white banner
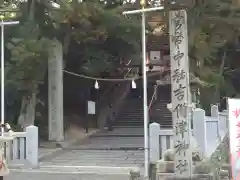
{"points": [[234, 138]]}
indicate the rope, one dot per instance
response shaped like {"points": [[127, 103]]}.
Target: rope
{"points": [[153, 96], [107, 79]]}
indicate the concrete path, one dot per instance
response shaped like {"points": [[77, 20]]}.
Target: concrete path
{"points": [[118, 139], [111, 143], [111, 158], [129, 132], [61, 176], [103, 149], [120, 148], [72, 173]]}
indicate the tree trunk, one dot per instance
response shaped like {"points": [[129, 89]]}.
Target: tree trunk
{"points": [[27, 112], [218, 86], [55, 92]]}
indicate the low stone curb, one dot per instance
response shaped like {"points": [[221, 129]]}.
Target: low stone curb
{"points": [[40, 157], [132, 172], [107, 148], [49, 155], [171, 176]]}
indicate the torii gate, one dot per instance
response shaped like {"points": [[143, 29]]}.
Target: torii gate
{"points": [[181, 97]]}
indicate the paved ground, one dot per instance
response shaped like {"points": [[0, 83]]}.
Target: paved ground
{"points": [[46, 151], [103, 143], [119, 138], [112, 158], [60, 176], [42, 175], [119, 148], [70, 173], [121, 132]]}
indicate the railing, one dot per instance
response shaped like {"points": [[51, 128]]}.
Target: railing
{"points": [[165, 140], [159, 140], [117, 94], [15, 150], [153, 99], [104, 101], [223, 123], [207, 130], [115, 100], [23, 148]]}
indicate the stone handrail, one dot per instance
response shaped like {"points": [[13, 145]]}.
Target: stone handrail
{"points": [[102, 99], [153, 99], [108, 91], [22, 148], [115, 100]]}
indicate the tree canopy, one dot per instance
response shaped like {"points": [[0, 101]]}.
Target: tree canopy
{"points": [[92, 33], [96, 37]]}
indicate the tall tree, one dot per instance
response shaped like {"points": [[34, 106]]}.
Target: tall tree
{"points": [[92, 34]]}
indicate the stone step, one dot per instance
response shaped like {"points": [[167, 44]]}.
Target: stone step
{"points": [[226, 167], [224, 173], [132, 114], [171, 176], [46, 174], [129, 124], [98, 170]]}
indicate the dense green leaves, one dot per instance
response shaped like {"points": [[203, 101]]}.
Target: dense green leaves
{"points": [[213, 32], [28, 63]]}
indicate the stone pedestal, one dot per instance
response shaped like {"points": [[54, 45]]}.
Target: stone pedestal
{"points": [[201, 168], [168, 176]]}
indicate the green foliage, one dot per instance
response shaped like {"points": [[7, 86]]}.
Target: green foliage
{"points": [[96, 34], [27, 66], [101, 33], [213, 25], [95, 37]]}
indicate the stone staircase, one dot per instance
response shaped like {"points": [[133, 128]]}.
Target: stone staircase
{"points": [[131, 114], [160, 114]]}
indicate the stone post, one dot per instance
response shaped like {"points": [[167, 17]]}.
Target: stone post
{"points": [[214, 111], [32, 145], [199, 128], [215, 115], [154, 151]]}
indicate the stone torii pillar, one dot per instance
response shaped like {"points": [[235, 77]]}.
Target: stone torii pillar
{"points": [[55, 92]]}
